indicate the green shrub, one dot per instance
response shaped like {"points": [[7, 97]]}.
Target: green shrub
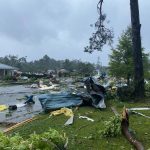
{"points": [[49, 140], [147, 86], [147, 89], [111, 95], [33, 80], [8, 77], [112, 128], [125, 93]]}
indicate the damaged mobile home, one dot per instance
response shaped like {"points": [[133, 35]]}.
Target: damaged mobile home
{"points": [[93, 96]]}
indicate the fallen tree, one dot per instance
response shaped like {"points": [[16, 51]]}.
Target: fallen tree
{"points": [[127, 134]]}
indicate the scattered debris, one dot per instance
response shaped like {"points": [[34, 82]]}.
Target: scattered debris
{"points": [[34, 86], [12, 107], [85, 117], [3, 107], [30, 100], [141, 108], [45, 87], [93, 95], [65, 111], [69, 121], [20, 105], [138, 113]]}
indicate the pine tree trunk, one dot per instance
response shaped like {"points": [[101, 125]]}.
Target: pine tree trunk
{"points": [[137, 52]]}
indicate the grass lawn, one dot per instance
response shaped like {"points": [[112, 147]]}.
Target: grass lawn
{"points": [[84, 134]]}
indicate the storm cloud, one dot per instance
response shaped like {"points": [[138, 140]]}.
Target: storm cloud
{"points": [[61, 28]]}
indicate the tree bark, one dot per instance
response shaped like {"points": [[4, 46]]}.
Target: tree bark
{"points": [[137, 51], [124, 126]]}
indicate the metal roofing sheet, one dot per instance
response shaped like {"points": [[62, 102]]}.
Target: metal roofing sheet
{"points": [[3, 66]]}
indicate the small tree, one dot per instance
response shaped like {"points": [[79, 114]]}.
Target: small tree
{"points": [[121, 63], [121, 60]]}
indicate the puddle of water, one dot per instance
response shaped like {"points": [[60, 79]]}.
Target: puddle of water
{"points": [[9, 96]]}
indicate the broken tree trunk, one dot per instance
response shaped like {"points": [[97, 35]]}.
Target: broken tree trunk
{"points": [[137, 51], [125, 131]]}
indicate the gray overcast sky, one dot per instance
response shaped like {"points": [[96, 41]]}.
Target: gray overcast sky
{"points": [[61, 28]]}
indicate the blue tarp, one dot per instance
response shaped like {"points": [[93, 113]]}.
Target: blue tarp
{"points": [[58, 100]]}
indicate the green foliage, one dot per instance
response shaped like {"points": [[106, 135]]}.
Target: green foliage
{"points": [[121, 59], [121, 62], [49, 140], [146, 64], [34, 80], [112, 127], [46, 63], [111, 95], [125, 93], [83, 134], [147, 89], [7, 78], [147, 86], [85, 68]]}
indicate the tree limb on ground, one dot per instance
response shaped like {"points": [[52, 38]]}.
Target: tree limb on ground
{"points": [[125, 131]]}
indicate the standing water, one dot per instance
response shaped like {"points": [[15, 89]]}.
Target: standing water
{"points": [[14, 95]]}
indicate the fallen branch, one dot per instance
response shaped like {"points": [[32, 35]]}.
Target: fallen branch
{"points": [[125, 131]]}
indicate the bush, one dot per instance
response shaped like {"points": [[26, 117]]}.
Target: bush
{"points": [[147, 86], [49, 140], [111, 95], [33, 80], [147, 89], [112, 127], [125, 93]]}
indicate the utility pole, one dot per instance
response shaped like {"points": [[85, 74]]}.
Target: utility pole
{"points": [[137, 51]]}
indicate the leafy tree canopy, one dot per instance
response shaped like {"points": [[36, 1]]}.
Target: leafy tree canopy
{"points": [[121, 60]]}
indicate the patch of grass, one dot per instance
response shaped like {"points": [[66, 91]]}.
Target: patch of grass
{"points": [[84, 134]]}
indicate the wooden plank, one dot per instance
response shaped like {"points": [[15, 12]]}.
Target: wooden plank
{"points": [[19, 124]]}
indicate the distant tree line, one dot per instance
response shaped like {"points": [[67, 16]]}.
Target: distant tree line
{"points": [[46, 63]]}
